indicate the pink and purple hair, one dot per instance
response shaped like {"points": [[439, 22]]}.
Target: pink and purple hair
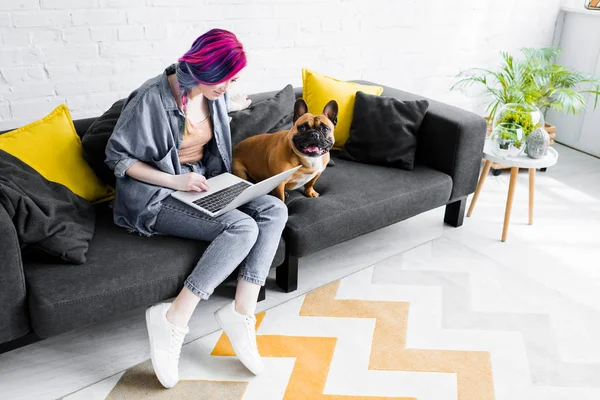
{"points": [[214, 57]]}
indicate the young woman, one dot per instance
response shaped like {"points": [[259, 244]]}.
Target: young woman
{"points": [[172, 134]]}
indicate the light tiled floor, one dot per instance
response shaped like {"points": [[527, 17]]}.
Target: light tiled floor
{"points": [[560, 252]]}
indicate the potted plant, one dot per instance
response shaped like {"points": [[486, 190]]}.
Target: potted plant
{"points": [[508, 139], [534, 80], [528, 116]]}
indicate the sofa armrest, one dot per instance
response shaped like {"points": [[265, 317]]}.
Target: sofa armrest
{"points": [[450, 140], [14, 318]]}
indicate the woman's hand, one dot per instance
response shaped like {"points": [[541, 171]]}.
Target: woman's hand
{"points": [[191, 181], [239, 102]]}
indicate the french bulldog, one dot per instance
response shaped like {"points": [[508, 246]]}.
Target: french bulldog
{"points": [[306, 144]]}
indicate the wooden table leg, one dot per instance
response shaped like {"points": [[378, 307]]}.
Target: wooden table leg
{"points": [[484, 173], [531, 193], [514, 171]]}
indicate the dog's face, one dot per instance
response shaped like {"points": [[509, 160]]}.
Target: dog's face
{"points": [[312, 135]]}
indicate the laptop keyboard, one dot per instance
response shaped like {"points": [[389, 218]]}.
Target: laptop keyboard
{"points": [[218, 200]]}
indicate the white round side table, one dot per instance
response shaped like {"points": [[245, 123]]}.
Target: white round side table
{"points": [[514, 163]]}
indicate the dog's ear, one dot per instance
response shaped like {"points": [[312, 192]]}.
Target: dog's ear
{"points": [[300, 108], [331, 111]]}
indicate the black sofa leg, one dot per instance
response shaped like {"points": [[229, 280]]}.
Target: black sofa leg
{"points": [[455, 212], [286, 275], [19, 342], [262, 294]]}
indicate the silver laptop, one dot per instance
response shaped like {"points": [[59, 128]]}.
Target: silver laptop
{"points": [[228, 192]]}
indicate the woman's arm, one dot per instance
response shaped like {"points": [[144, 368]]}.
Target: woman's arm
{"points": [[188, 182], [137, 139]]}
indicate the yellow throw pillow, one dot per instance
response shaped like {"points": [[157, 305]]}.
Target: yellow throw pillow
{"points": [[318, 90], [51, 147]]}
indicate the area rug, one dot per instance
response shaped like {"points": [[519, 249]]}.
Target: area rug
{"points": [[439, 322]]}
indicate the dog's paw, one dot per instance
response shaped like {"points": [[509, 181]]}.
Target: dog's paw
{"points": [[311, 193]]}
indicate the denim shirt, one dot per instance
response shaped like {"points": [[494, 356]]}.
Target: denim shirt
{"points": [[150, 129]]}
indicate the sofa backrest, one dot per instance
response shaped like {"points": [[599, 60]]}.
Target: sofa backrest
{"points": [[265, 95], [82, 125]]}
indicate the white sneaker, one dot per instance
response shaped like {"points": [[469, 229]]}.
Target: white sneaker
{"points": [[165, 344], [241, 331]]}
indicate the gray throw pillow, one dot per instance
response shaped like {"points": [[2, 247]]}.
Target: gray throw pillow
{"points": [[95, 139], [384, 131], [266, 116]]}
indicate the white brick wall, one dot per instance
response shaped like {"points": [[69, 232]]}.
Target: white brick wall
{"points": [[89, 53]]}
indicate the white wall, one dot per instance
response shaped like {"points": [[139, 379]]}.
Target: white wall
{"points": [[575, 3], [89, 53]]}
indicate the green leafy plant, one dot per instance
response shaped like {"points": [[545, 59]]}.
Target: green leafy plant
{"points": [[504, 144], [533, 79], [518, 114], [507, 134]]}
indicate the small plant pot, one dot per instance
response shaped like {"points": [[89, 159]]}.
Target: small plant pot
{"points": [[508, 140]]}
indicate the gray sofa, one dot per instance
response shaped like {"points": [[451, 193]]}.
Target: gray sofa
{"points": [[43, 297]]}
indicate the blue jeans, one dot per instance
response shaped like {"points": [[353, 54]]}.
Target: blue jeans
{"points": [[248, 237]]}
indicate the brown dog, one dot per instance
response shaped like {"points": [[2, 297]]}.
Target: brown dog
{"points": [[307, 144]]}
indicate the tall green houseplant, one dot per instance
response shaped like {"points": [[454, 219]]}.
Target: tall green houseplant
{"points": [[533, 79]]}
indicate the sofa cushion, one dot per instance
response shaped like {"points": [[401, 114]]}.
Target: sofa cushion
{"points": [[123, 271], [358, 198], [318, 90], [264, 116], [384, 131], [52, 147]]}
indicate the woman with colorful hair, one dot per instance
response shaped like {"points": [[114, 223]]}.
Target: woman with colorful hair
{"points": [[172, 134]]}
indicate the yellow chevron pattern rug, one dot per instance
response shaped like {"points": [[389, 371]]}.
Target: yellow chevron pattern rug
{"points": [[313, 354], [439, 322]]}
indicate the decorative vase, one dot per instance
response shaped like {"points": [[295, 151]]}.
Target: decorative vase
{"points": [[529, 117], [508, 140], [537, 143]]}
